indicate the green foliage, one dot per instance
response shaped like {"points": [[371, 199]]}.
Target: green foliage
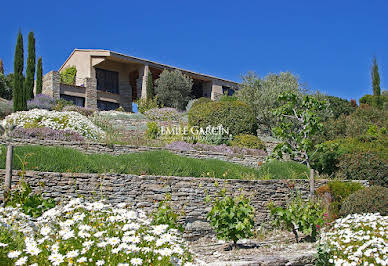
{"points": [[152, 131], [144, 105], [1, 67], [375, 78], [226, 98], [236, 116], [30, 71], [377, 101], [31, 203], [248, 141], [19, 97], [150, 86], [166, 215], [5, 109], [262, 95], [275, 169], [5, 89], [231, 218], [299, 121], [363, 166], [14, 240], [368, 200], [173, 89], [299, 216], [200, 101], [326, 160], [39, 76], [68, 75], [338, 106], [61, 103], [322, 257], [162, 163]]}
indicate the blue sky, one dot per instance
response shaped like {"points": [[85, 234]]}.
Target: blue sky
{"points": [[328, 44]]}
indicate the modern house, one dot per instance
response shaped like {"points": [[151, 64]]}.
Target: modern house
{"points": [[106, 80]]}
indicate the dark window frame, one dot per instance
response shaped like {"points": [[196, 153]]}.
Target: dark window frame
{"points": [[106, 105], [107, 80], [76, 100]]}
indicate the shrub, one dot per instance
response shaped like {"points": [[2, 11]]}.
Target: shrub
{"points": [[45, 133], [231, 218], [275, 169], [82, 110], [173, 89], [190, 104], [95, 233], [68, 75], [371, 199], [363, 166], [338, 192], [55, 120], [32, 204], [163, 114], [299, 216], [61, 103], [41, 101], [152, 131], [166, 215], [356, 240], [147, 104], [248, 141], [326, 159], [226, 98], [6, 108], [214, 139], [236, 116], [200, 101]]}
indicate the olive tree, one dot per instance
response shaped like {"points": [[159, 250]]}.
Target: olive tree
{"points": [[262, 95], [173, 89]]}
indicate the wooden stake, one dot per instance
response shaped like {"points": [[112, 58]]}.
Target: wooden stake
{"points": [[8, 172]]}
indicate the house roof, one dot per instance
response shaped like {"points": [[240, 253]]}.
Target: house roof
{"points": [[108, 53]]}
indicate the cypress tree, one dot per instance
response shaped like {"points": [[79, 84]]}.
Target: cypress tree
{"points": [[19, 101], [30, 71], [39, 76], [1, 67], [375, 78], [150, 86]]}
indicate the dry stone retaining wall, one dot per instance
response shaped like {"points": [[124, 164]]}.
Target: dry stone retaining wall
{"points": [[247, 160], [144, 192]]}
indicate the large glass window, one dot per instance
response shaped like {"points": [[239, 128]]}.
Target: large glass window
{"points": [[107, 106], [227, 91], [79, 101], [107, 80]]}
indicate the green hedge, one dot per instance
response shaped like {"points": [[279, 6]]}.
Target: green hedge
{"points": [[235, 115], [248, 141]]}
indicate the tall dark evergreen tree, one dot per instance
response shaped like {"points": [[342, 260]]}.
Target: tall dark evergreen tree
{"points": [[1, 67], [30, 71], [19, 99], [39, 76], [375, 78]]}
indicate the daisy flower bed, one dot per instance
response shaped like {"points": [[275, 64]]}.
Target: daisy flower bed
{"points": [[66, 121], [357, 239], [85, 233]]}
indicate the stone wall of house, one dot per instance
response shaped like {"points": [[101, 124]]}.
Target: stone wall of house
{"points": [[144, 192], [247, 160]]}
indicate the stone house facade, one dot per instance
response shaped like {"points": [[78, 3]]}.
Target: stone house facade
{"points": [[106, 80]]}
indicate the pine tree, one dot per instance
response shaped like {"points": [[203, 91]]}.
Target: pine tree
{"points": [[1, 67], [30, 71], [39, 76], [19, 101], [150, 86], [375, 78]]}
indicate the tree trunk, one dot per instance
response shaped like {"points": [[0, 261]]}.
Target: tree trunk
{"points": [[311, 183], [8, 173]]}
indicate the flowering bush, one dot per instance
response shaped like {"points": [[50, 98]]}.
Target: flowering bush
{"points": [[45, 133], [82, 110], [121, 115], [358, 239], [55, 120], [163, 114], [84, 233], [41, 101]]}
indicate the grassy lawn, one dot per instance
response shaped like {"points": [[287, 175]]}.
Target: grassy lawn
{"points": [[58, 159]]}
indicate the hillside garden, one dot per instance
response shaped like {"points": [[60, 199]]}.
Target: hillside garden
{"points": [[316, 136]]}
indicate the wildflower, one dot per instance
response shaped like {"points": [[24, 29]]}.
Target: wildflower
{"points": [[136, 261], [56, 258], [14, 254], [72, 254], [100, 262], [21, 261]]}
